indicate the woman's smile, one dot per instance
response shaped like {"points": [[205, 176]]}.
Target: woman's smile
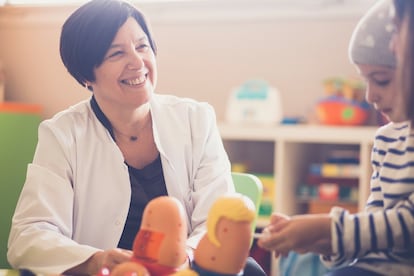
{"points": [[135, 81]]}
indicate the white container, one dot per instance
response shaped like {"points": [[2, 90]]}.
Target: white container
{"points": [[255, 102]]}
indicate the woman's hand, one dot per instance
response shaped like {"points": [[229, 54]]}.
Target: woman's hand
{"points": [[302, 233], [102, 259]]}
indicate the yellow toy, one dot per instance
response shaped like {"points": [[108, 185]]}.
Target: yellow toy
{"points": [[225, 247], [186, 272]]}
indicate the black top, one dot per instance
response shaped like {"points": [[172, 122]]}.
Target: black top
{"points": [[146, 184]]}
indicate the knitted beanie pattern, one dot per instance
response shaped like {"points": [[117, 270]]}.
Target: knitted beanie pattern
{"points": [[370, 41]]}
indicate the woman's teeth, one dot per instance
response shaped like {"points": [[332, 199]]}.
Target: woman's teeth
{"points": [[135, 81]]}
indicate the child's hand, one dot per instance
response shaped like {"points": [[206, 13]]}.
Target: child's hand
{"points": [[305, 233], [277, 222]]}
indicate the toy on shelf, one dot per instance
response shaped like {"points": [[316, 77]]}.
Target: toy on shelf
{"points": [[344, 103], [269, 189], [159, 246], [254, 102], [332, 182]]}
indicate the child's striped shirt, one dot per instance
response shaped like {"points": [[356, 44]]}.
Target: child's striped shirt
{"points": [[381, 238]]}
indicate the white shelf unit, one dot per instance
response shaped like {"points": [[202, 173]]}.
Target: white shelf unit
{"points": [[286, 152]]}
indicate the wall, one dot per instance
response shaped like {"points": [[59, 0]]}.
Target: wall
{"points": [[199, 58]]}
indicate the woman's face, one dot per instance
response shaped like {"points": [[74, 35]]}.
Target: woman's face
{"points": [[382, 90], [128, 73]]}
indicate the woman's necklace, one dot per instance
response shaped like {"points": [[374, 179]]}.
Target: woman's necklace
{"points": [[133, 138]]}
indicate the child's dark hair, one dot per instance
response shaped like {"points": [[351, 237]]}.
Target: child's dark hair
{"points": [[404, 12]]}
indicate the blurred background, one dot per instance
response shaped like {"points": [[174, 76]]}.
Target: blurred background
{"points": [[206, 49]]}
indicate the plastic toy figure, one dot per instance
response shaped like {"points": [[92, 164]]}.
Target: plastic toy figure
{"points": [[159, 246], [225, 247], [160, 242], [130, 268]]}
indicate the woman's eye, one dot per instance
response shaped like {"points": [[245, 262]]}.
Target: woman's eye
{"points": [[382, 82], [114, 54], [142, 47]]}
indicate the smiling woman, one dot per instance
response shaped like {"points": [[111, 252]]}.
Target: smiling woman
{"points": [[117, 150]]}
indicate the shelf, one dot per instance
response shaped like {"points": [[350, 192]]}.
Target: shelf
{"points": [[299, 133], [262, 222], [311, 199]]}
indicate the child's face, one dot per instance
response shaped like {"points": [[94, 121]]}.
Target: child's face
{"points": [[382, 91]]}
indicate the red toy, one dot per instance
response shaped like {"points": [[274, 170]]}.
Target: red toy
{"points": [[344, 103], [339, 111], [159, 246]]}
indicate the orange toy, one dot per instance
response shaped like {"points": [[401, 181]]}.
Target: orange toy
{"points": [[130, 269], [344, 103], [159, 246], [341, 112], [225, 247], [161, 241]]}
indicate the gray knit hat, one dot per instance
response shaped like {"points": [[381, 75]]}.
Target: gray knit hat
{"points": [[370, 41]]}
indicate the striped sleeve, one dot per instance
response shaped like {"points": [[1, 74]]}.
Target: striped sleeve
{"points": [[387, 225], [375, 199]]}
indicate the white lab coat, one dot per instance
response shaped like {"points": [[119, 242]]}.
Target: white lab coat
{"points": [[76, 196]]}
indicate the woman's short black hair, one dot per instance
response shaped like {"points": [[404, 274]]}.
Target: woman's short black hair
{"points": [[89, 31], [399, 8]]}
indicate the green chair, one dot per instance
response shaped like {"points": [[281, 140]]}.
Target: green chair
{"points": [[250, 186], [18, 138]]}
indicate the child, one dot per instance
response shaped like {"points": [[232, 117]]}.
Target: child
{"points": [[379, 240]]}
